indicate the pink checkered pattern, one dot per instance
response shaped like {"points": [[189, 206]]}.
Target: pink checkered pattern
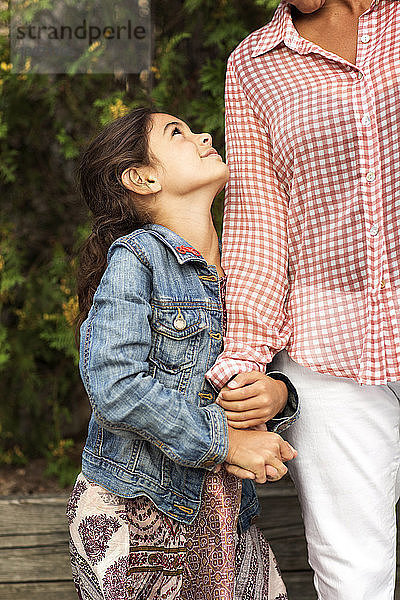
{"points": [[310, 243]]}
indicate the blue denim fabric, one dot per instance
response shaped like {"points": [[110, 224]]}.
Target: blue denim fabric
{"points": [[153, 331]]}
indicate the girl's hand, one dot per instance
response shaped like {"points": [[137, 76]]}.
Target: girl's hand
{"points": [[271, 472], [257, 453], [252, 398]]}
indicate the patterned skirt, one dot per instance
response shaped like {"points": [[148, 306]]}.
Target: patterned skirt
{"points": [[126, 549]]}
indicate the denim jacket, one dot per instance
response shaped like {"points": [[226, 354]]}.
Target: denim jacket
{"points": [[153, 331]]}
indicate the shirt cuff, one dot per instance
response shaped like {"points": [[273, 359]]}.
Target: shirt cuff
{"points": [[291, 412], [226, 368]]}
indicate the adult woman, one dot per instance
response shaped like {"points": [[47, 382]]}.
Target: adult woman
{"points": [[312, 255]]}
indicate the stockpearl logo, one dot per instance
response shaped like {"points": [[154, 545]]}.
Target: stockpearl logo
{"points": [[78, 36]]}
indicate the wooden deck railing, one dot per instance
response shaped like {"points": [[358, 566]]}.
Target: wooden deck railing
{"points": [[34, 562]]}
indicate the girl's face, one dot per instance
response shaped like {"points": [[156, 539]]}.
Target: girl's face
{"points": [[186, 161]]}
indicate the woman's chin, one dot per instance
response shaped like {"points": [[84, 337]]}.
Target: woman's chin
{"points": [[308, 6]]}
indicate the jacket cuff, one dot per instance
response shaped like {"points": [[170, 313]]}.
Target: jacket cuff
{"points": [[291, 412], [220, 444]]}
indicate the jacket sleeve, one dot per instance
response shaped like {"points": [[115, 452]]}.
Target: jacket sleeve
{"points": [[255, 251], [115, 345]]}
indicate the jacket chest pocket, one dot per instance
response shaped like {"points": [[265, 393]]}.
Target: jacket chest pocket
{"points": [[177, 332]]}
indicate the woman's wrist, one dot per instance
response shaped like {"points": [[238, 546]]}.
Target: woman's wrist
{"points": [[281, 394]]}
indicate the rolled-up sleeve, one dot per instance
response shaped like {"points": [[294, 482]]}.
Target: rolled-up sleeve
{"points": [[125, 398], [255, 252]]}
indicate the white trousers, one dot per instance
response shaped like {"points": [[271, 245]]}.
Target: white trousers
{"points": [[347, 478]]}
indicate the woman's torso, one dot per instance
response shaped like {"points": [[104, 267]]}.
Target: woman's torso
{"points": [[334, 133]]}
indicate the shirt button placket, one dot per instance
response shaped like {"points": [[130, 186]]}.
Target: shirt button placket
{"points": [[370, 176], [367, 131], [374, 230]]}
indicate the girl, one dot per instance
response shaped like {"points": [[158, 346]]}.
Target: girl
{"points": [[154, 515]]}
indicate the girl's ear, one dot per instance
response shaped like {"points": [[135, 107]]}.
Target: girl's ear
{"points": [[140, 182]]}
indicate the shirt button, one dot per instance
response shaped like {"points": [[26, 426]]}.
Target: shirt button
{"points": [[365, 38], [360, 75], [370, 176], [383, 284], [374, 230], [366, 120]]}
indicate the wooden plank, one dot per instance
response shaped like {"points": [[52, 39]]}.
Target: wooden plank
{"points": [[30, 540], [291, 553], [299, 585], [283, 487], [60, 590], [32, 515], [47, 563], [279, 512]]}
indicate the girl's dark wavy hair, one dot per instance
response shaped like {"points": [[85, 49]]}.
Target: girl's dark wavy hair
{"points": [[115, 210]]}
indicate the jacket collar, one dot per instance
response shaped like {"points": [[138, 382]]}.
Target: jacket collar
{"points": [[183, 251]]}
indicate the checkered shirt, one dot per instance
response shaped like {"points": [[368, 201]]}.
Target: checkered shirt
{"points": [[310, 242]]}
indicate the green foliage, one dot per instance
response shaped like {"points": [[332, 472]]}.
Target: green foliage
{"points": [[61, 462], [44, 121]]}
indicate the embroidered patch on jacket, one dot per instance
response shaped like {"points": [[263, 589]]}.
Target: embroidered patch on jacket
{"points": [[187, 250]]}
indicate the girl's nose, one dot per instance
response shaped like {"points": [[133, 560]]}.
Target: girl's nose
{"points": [[206, 139]]}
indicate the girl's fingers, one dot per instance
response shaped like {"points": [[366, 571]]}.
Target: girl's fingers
{"points": [[261, 476], [245, 424], [239, 472], [272, 473], [244, 379], [242, 393], [239, 405], [246, 415], [279, 466], [287, 451]]}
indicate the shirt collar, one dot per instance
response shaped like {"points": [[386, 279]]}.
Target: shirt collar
{"points": [[282, 30], [276, 31]]}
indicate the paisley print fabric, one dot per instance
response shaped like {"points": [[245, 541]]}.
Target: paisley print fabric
{"points": [[125, 549]]}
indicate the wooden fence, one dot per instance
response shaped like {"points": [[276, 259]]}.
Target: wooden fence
{"points": [[34, 562]]}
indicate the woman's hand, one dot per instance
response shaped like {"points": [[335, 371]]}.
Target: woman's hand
{"points": [[257, 455], [252, 398]]}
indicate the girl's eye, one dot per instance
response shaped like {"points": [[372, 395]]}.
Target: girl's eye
{"points": [[176, 130]]}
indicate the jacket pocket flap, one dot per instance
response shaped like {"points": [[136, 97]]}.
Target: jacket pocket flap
{"points": [[178, 322]]}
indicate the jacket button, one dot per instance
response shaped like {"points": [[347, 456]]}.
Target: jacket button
{"points": [[253, 519], [208, 463], [179, 322]]}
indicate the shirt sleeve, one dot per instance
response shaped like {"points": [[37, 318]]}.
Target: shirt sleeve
{"points": [[115, 345], [255, 247]]}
